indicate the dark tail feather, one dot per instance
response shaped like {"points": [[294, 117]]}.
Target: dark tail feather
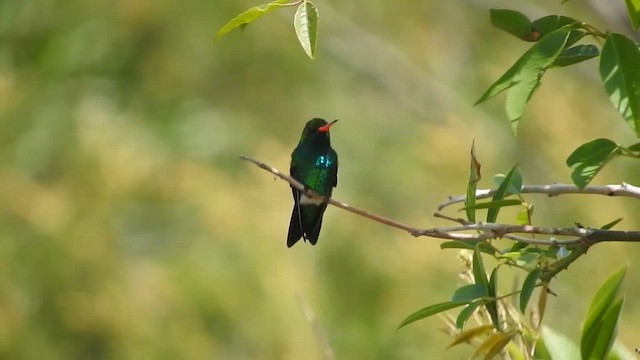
{"points": [[312, 230], [313, 236], [295, 226]]}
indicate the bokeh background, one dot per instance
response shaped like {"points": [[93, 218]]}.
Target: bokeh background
{"points": [[129, 228]]}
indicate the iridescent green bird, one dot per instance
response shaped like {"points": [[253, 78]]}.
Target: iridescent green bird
{"points": [[315, 164]]}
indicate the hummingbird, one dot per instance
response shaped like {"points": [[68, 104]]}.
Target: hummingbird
{"points": [[315, 164]]}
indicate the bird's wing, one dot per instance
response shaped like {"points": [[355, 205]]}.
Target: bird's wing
{"points": [[295, 225], [334, 169], [296, 216]]}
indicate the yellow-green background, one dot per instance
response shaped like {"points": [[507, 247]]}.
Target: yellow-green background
{"points": [[129, 228]]}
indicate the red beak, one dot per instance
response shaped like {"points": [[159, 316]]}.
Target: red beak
{"points": [[326, 127]]}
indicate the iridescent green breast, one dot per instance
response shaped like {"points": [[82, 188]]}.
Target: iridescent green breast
{"points": [[317, 171], [318, 180]]}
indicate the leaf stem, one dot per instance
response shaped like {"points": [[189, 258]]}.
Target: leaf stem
{"points": [[593, 31], [628, 153]]}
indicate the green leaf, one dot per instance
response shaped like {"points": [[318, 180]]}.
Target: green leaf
{"points": [[510, 181], [469, 245], [606, 294], [527, 289], [519, 95], [518, 246], [497, 179], [634, 147], [535, 250], [611, 224], [576, 54], [479, 273], [608, 331], [523, 78], [600, 305], [514, 185], [633, 8], [530, 74], [536, 54], [552, 251], [456, 244], [465, 314], [524, 217], [510, 77], [620, 74], [513, 255], [474, 177], [526, 258], [511, 21], [558, 345], [431, 310], [494, 204], [305, 22], [520, 252], [249, 16], [470, 334], [492, 306], [469, 293], [550, 23], [588, 159]]}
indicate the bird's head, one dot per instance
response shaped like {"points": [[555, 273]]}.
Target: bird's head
{"points": [[316, 131]]}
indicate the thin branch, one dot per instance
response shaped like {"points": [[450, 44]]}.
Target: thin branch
{"points": [[485, 231], [295, 183], [494, 230], [446, 217], [623, 189]]}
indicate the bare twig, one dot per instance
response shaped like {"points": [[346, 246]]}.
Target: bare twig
{"points": [[483, 231], [623, 189], [295, 183]]}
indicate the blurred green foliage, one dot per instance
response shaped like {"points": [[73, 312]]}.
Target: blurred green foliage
{"points": [[129, 229]]}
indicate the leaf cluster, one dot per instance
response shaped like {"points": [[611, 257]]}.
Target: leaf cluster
{"points": [[501, 326], [556, 45], [502, 329], [305, 21]]}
